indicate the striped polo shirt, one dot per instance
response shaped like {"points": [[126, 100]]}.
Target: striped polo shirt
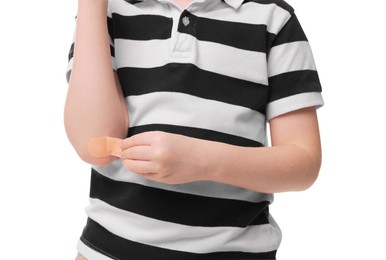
{"points": [[219, 71]]}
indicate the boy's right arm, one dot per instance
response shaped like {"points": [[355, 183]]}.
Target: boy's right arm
{"points": [[95, 103]]}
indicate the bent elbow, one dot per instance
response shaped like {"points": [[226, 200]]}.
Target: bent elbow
{"points": [[88, 158], [311, 173], [309, 180], [82, 151]]}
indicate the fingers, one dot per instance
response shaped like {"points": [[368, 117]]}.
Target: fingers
{"points": [[148, 170], [139, 167], [142, 139], [135, 140], [141, 153]]}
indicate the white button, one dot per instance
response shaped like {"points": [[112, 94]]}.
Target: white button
{"points": [[185, 21]]}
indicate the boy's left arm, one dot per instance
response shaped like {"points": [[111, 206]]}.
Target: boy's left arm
{"points": [[292, 163]]}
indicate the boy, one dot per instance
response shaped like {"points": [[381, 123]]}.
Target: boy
{"points": [[189, 86]]}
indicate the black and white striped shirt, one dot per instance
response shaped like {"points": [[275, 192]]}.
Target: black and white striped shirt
{"points": [[219, 71]]}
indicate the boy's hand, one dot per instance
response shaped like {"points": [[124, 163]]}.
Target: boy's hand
{"points": [[164, 157]]}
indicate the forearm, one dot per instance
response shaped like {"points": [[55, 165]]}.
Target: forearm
{"points": [[93, 107], [267, 170], [175, 159]]}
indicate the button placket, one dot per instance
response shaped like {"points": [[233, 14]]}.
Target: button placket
{"points": [[187, 23], [185, 39]]}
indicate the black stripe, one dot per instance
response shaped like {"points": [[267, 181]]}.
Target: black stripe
{"points": [[71, 52], [199, 133], [291, 32], [176, 207], [110, 27], [291, 83], [279, 3], [112, 51], [189, 79], [245, 36], [142, 27], [133, 2], [113, 246]]}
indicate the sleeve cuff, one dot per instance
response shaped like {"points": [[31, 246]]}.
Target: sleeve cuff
{"points": [[292, 103]]}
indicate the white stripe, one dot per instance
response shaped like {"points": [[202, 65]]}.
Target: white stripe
{"points": [[180, 109], [173, 236], [290, 57], [89, 253], [116, 171], [141, 54], [213, 57], [234, 3], [122, 7], [271, 15], [69, 69], [233, 62], [292, 103]]}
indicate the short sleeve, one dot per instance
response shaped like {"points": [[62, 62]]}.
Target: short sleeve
{"points": [[112, 47], [293, 80]]}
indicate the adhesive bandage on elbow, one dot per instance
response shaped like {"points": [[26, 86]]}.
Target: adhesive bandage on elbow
{"points": [[105, 146]]}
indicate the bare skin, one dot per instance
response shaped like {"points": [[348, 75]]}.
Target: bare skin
{"points": [[80, 257], [291, 164], [183, 3], [95, 106]]}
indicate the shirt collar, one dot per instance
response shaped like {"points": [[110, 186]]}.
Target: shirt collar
{"points": [[233, 3]]}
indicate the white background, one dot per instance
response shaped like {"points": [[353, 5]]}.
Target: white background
{"points": [[44, 186]]}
